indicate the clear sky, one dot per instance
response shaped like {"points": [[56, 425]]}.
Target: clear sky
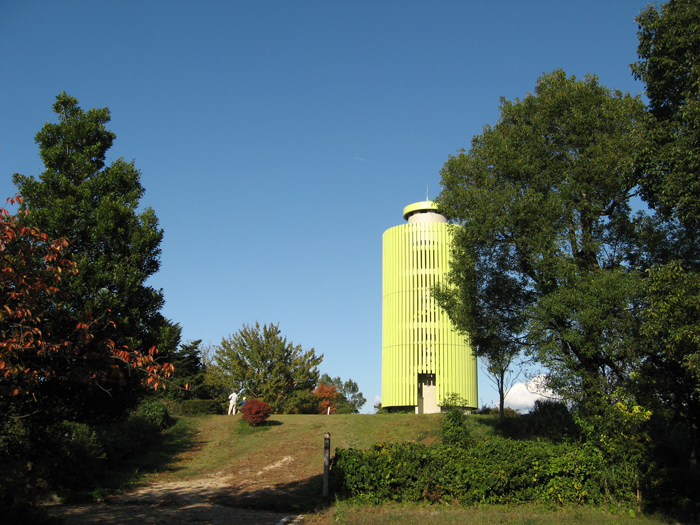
{"points": [[278, 140]]}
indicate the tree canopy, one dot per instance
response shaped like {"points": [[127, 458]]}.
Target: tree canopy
{"points": [[668, 175], [115, 247], [45, 348], [260, 362], [542, 199], [349, 399], [669, 66]]}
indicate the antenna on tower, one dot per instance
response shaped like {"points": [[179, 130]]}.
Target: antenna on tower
{"points": [[426, 192]]}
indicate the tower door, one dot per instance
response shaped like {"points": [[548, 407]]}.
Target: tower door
{"points": [[427, 394]]}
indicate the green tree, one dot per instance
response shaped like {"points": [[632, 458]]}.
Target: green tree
{"points": [[53, 365], [542, 199], [116, 248], [669, 65], [490, 310], [349, 400], [188, 379], [261, 363]]}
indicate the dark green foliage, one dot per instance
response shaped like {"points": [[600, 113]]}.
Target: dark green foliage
{"points": [[507, 411], [493, 470], [261, 363], [676, 491], [669, 66], [128, 437], [69, 457], [350, 400], [155, 413], [302, 402], [81, 455], [201, 407], [453, 426], [188, 380], [550, 419], [116, 249], [540, 260], [667, 175], [94, 207], [255, 411]]}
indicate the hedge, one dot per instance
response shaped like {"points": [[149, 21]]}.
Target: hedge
{"points": [[493, 470]]}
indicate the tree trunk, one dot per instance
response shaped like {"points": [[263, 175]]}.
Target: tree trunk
{"points": [[501, 397]]}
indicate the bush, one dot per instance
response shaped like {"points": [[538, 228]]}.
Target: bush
{"points": [[495, 411], [303, 402], [69, 457], [155, 413], [79, 455], [494, 470], [256, 411], [127, 437], [132, 435], [453, 426], [201, 407], [551, 419]]}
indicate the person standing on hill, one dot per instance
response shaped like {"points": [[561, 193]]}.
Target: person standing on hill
{"points": [[233, 399]]}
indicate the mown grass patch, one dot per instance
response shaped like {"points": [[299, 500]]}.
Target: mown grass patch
{"points": [[343, 513]]}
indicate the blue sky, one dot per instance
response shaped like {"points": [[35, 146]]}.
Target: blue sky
{"points": [[278, 140]]}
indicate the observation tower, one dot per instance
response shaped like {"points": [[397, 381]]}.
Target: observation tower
{"points": [[423, 358]]}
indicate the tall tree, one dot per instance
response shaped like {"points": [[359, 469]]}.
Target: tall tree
{"points": [[115, 246], [188, 380], [542, 199], [487, 305], [669, 176], [669, 66], [55, 366], [261, 363], [44, 362]]}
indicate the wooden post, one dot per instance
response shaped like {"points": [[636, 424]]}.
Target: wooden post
{"points": [[326, 461]]}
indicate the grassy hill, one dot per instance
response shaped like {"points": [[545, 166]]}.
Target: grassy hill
{"points": [[280, 468]]}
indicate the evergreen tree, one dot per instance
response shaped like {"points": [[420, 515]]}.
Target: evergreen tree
{"points": [[115, 248]]}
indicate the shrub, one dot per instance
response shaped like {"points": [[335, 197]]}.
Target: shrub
{"points": [[303, 402], [127, 437], [551, 419], [79, 455], [493, 470], [155, 413], [255, 411], [453, 429], [200, 407], [495, 411]]}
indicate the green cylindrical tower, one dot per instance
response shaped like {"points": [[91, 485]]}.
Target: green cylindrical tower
{"points": [[423, 358]]}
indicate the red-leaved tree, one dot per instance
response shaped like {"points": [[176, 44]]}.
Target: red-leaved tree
{"points": [[327, 396], [42, 341]]}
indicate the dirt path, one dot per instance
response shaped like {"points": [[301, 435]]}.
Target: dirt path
{"points": [[263, 480]]}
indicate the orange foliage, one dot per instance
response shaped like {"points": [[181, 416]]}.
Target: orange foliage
{"points": [[326, 398], [31, 269]]}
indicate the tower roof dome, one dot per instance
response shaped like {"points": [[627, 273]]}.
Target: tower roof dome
{"points": [[427, 207]]}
